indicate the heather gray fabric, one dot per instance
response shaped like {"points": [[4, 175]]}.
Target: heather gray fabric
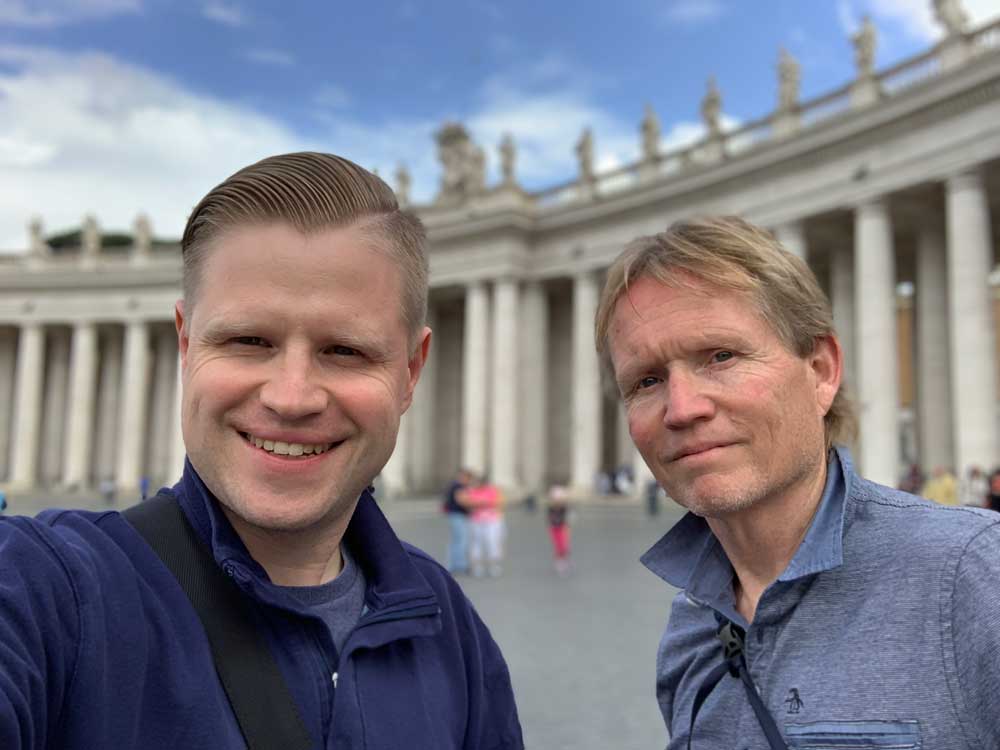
{"points": [[884, 630], [338, 602]]}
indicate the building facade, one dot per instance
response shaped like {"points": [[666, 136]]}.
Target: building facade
{"points": [[889, 186]]}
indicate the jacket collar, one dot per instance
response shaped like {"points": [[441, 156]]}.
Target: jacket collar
{"points": [[690, 557], [394, 584]]}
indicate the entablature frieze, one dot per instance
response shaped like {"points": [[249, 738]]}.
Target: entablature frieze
{"points": [[69, 307]]}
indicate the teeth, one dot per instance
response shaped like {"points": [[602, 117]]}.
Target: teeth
{"points": [[289, 449]]}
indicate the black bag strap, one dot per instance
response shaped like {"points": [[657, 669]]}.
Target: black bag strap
{"points": [[260, 699], [735, 664]]}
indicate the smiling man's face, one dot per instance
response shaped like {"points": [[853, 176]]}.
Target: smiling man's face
{"points": [[722, 412], [296, 368]]}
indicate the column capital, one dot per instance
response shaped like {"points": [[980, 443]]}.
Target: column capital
{"points": [[965, 179]]}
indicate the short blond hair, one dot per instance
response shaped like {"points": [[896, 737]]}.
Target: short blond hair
{"points": [[732, 253], [312, 192]]}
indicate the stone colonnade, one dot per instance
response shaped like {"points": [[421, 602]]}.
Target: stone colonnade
{"points": [[89, 402], [530, 383]]}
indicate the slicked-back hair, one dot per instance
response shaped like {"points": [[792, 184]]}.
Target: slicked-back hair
{"points": [[731, 253], [312, 192]]}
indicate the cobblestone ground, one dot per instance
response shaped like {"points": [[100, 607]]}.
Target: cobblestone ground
{"points": [[581, 649]]}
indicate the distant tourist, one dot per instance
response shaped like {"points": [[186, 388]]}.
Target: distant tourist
{"points": [[942, 487], [975, 488], [558, 515], [486, 530], [458, 524]]}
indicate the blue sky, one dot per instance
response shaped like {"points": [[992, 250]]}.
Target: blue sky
{"points": [[113, 107]]}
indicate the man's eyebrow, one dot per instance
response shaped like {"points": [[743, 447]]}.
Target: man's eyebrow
{"points": [[224, 327]]}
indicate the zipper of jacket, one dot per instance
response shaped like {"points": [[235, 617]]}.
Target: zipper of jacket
{"points": [[405, 613]]}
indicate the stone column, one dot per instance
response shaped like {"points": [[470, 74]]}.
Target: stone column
{"points": [[973, 350], [792, 236], [534, 386], [395, 474], [877, 369], [842, 300], [177, 450], [505, 411], [108, 400], [8, 361], [933, 379], [54, 407], [586, 435], [28, 405], [132, 428], [82, 398], [160, 430], [475, 353], [423, 415]]}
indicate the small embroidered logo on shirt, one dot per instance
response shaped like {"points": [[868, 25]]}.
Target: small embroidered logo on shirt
{"points": [[794, 702]]}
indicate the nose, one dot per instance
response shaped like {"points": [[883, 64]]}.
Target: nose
{"points": [[293, 391], [687, 400]]}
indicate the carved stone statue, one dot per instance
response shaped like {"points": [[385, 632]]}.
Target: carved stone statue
{"points": [[403, 183], [585, 155], [36, 237], [142, 235], [864, 48], [789, 78], [711, 109], [463, 164], [650, 130], [951, 16], [508, 158], [91, 237]]}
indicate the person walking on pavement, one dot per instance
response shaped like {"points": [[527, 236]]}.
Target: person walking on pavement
{"points": [[458, 524]]}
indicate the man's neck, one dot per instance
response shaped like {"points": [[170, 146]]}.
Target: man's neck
{"points": [[308, 557], [761, 540]]}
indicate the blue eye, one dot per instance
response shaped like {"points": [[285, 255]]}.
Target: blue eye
{"points": [[344, 351], [647, 382], [722, 356]]}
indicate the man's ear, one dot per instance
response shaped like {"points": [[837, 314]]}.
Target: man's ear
{"points": [[827, 366], [415, 365], [182, 331]]}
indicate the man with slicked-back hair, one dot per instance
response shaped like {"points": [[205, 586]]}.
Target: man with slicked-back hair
{"points": [[301, 334]]}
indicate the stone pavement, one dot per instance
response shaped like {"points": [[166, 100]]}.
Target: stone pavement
{"points": [[581, 649]]}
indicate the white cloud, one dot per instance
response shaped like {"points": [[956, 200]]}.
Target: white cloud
{"points": [[48, 13], [694, 12], [275, 57], [915, 18], [227, 14], [89, 133]]}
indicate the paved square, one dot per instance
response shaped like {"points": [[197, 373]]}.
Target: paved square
{"points": [[581, 649]]}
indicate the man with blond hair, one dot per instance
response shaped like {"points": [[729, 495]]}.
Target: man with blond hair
{"points": [[817, 609], [302, 336]]}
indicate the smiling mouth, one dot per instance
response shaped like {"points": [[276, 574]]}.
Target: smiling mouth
{"points": [[289, 450]]}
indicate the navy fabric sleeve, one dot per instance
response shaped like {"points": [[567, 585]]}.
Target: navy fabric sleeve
{"points": [[491, 720], [493, 724], [39, 634], [975, 622]]}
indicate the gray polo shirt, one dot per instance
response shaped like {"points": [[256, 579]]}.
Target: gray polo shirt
{"points": [[882, 632]]}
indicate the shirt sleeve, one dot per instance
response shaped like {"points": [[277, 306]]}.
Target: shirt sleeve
{"points": [[39, 634], [975, 625]]}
